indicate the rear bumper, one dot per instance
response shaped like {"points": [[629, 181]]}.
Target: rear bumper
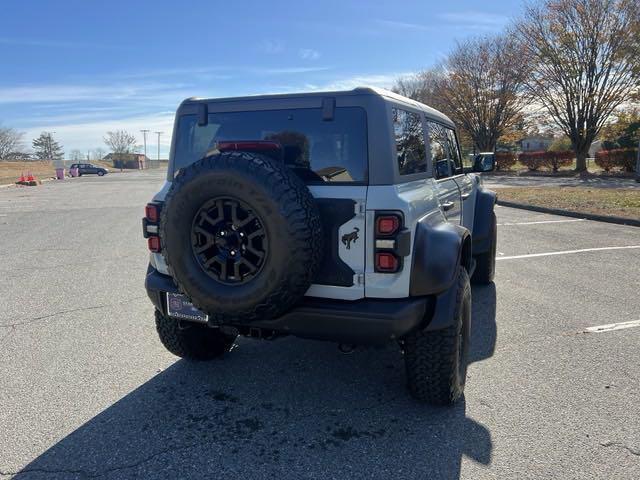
{"points": [[366, 321]]}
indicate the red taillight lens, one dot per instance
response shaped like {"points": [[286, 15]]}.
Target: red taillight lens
{"points": [[386, 262], [154, 244], [152, 213], [387, 224]]}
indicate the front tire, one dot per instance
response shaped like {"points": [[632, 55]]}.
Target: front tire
{"points": [[436, 361], [100, 174], [192, 341], [486, 262]]}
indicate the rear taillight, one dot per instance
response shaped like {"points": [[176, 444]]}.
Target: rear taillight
{"points": [[153, 244], [386, 262], [392, 242], [150, 224], [387, 224], [152, 212]]}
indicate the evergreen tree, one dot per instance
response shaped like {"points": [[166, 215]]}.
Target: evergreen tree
{"points": [[46, 148]]}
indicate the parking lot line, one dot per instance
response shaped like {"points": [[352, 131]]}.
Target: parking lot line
{"points": [[542, 221], [612, 326], [566, 252]]}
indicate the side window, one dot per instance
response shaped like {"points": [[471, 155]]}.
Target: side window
{"points": [[438, 140], [454, 152], [410, 147]]}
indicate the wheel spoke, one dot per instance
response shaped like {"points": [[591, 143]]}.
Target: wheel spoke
{"points": [[257, 253], [225, 252]]}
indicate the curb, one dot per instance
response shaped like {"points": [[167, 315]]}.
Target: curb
{"points": [[568, 213]]}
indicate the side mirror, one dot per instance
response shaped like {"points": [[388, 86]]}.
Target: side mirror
{"points": [[484, 163]]}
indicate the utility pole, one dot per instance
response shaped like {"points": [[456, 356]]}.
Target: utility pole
{"points": [[144, 135], [159, 133]]}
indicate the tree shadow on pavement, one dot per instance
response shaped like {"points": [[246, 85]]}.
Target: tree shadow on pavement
{"points": [[284, 409]]}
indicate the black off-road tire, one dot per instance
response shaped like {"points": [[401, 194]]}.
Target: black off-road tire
{"points": [[288, 214], [436, 361], [486, 262], [190, 340]]}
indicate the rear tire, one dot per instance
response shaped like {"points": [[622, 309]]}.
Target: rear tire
{"points": [[436, 361], [192, 341], [486, 262]]}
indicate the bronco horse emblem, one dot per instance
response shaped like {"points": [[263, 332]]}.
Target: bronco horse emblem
{"points": [[347, 238]]}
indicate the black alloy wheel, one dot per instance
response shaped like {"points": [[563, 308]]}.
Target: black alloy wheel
{"points": [[229, 240]]}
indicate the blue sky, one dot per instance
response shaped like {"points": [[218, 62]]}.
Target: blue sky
{"points": [[80, 68]]}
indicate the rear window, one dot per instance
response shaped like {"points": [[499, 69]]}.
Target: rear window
{"points": [[319, 150]]}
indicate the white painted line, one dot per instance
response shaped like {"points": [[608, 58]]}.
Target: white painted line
{"points": [[565, 252], [543, 221], [613, 326]]}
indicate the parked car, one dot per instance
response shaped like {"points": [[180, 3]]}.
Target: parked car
{"points": [[88, 168], [339, 216]]}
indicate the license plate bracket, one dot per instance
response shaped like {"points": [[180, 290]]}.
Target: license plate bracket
{"points": [[179, 306]]}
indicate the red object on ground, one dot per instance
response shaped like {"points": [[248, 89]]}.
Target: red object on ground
{"points": [[30, 177]]}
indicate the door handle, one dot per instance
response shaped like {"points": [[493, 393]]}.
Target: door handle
{"points": [[465, 196], [446, 206]]}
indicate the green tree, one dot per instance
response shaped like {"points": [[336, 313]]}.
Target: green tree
{"points": [[46, 148]]}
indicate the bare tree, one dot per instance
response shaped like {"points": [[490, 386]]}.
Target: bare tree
{"points": [[481, 88], [10, 142], [422, 86], [46, 148], [98, 153], [584, 57], [120, 141], [76, 155]]}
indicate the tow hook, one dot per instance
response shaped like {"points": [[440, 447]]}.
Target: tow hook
{"points": [[346, 348]]}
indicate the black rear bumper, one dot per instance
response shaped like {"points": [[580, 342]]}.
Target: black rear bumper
{"points": [[366, 321]]}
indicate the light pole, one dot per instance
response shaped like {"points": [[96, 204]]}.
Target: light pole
{"points": [[144, 135], [159, 133]]}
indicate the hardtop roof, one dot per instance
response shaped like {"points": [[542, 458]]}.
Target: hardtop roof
{"points": [[365, 90]]}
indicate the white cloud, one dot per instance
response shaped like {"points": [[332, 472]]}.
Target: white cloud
{"points": [[308, 54], [89, 134], [404, 25], [384, 80], [475, 20], [271, 47], [78, 93]]}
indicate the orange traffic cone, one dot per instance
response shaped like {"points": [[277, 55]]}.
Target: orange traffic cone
{"points": [[21, 179], [29, 177]]}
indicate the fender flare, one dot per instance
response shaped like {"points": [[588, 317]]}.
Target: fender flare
{"points": [[483, 220], [438, 250]]}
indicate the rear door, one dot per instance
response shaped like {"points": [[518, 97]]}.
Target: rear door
{"points": [[444, 171], [465, 182]]}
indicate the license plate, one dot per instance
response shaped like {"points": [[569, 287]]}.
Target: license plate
{"points": [[179, 306]]}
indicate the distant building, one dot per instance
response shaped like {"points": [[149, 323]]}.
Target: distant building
{"points": [[128, 160], [535, 143]]}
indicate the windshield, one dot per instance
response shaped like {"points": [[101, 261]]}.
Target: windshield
{"points": [[319, 150]]}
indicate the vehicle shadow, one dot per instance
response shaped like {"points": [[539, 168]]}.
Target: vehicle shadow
{"points": [[283, 409]]}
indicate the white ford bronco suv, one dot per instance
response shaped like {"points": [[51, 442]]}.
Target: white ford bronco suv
{"points": [[339, 216]]}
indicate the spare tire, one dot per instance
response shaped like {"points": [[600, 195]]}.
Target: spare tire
{"points": [[241, 236]]}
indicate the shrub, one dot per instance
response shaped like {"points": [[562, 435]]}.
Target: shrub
{"points": [[505, 160], [555, 160], [623, 158], [532, 160]]}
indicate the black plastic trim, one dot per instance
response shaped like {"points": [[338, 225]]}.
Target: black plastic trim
{"points": [[483, 221], [437, 252], [366, 321], [334, 212]]}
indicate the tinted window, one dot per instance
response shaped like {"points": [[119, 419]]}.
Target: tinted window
{"points": [[438, 140], [410, 148], [454, 151], [320, 150]]}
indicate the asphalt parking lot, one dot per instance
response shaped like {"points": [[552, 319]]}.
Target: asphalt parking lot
{"points": [[87, 391]]}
